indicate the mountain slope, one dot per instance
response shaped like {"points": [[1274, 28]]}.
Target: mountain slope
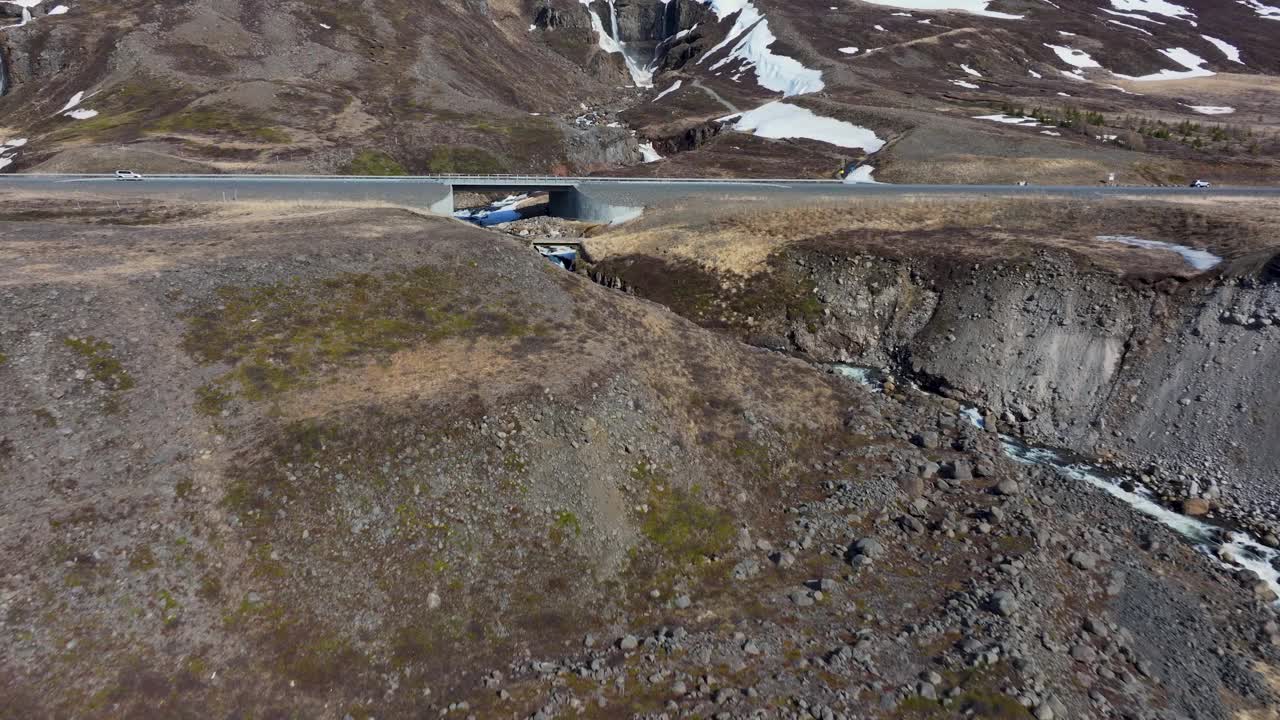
{"points": [[350, 462], [1153, 92]]}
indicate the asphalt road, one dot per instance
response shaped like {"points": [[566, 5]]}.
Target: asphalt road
{"points": [[425, 191]]}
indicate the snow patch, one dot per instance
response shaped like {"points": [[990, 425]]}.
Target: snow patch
{"points": [[1212, 109], [1009, 119], [60, 10], [1154, 7], [1117, 87], [970, 70], [82, 114], [1266, 11], [975, 7], [1131, 27], [861, 175], [1073, 57], [1198, 259], [74, 101], [780, 120], [778, 73], [1054, 133], [648, 153], [1187, 59], [674, 87], [1231, 52], [966, 84], [849, 50]]}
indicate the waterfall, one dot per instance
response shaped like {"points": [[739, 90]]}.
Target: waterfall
{"points": [[663, 33], [611, 41]]}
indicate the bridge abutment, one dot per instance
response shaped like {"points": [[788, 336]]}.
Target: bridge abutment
{"points": [[444, 204]]}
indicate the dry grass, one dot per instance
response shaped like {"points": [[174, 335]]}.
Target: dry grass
{"points": [[258, 210], [1271, 676], [58, 240], [490, 366], [739, 238], [970, 169]]}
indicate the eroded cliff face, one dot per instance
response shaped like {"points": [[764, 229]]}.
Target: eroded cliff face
{"points": [[1180, 370], [1177, 377]]}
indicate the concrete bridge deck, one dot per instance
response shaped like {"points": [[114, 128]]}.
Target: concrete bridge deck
{"points": [[598, 199]]}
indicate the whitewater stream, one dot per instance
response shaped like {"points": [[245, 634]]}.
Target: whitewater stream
{"points": [[1231, 548], [495, 213]]}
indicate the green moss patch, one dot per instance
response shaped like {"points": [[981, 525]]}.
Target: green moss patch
{"points": [[278, 336], [360, 481], [462, 159], [105, 125], [373, 162], [211, 400], [714, 300], [683, 527], [566, 526], [213, 121], [103, 367]]}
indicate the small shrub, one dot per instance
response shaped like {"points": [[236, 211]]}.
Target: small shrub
{"points": [[211, 400], [466, 160], [373, 162], [683, 527], [103, 367], [212, 121]]}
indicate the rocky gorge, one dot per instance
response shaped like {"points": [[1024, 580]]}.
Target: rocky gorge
{"points": [[1170, 376]]}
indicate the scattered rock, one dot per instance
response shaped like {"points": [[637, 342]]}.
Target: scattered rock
{"points": [[1008, 487], [1195, 506]]}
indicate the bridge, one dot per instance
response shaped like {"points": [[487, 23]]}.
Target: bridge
{"points": [[597, 199]]}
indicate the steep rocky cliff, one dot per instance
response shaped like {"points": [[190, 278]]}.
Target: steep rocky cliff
{"points": [[1160, 366]]}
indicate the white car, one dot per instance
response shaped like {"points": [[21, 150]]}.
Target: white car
{"points": [[1199, 183], [127, 175]]}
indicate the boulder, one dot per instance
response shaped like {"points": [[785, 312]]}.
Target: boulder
{"points": [[1195, 506]]}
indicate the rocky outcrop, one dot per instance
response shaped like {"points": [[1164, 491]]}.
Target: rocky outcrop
{"points": [[600, 147], [690, 138], [651, 28], [652, 21], [1177, 375], [1175, 379]]}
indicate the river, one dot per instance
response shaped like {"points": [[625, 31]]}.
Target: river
{"points": [[1229, 547]]}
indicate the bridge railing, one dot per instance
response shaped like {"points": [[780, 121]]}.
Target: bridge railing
{"points": [[451, 178]]}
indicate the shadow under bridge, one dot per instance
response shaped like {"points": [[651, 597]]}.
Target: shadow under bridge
{"points": [[570, 198]]}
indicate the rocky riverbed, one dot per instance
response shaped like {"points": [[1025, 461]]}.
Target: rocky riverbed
{"points": [[1168, 375]]}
